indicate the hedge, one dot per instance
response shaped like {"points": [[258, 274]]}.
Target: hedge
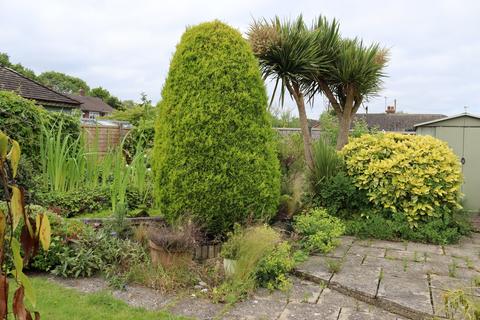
{"points": [[214, 153]]}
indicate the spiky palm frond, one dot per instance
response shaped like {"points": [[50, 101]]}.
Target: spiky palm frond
{"points": [[285, 50], [360, 66]]}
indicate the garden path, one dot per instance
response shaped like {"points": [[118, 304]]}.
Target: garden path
{"points": [[306, 300], [405, 278]]}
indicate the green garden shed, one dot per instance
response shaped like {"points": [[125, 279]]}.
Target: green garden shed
{"points": [[462, 133]]}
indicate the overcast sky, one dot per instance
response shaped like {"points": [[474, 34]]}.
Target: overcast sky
{"points": [[126, 46]]}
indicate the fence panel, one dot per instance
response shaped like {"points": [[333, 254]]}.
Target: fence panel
{"points": [[103, 138]]}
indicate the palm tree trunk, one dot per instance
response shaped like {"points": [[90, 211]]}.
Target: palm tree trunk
{"points": [[307, 141], [344, 121]]}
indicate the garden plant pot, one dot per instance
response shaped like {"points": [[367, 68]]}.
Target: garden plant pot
{"points": [[229, 266], [166, 258]]}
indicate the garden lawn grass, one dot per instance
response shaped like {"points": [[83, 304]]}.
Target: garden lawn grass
{"points": [[55, 302]]}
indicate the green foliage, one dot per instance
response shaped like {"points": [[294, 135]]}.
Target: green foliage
{"points": [[418, 176], [461, 304], [105, 95], [62, 82], [318, 231], [141, 116], [329, 128], [292, 165], [360, 127], [272, 270], [22, 120], [74, 202], [326, 164], [97, 251], [214, 150], [231, 247], [283, 119], [340, 197], [446, 230], [255, 243]]}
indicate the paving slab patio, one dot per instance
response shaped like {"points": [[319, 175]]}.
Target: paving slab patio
{"points": [[402, 277]]}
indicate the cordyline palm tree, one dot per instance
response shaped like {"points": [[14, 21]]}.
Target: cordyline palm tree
{"points": [[355, 74], [308, 61], [288, 53]]}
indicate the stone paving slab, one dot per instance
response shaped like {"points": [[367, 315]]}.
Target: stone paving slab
{"points": [[449, 283], [424, 248], [304, 292], [196, 308], [352, 314], [362, 251], [411, 293], [316, 267], [305, 311], [256, 309], [401, 268], [412, 273], [358, 278]]}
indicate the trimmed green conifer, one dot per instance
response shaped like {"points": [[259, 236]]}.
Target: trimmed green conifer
{"points": [[214, 155]]}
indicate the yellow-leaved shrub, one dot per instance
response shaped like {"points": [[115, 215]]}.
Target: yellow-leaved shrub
{"points": [[418, 176]]}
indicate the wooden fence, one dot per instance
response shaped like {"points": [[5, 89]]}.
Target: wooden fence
{"points": [[104, 138]]}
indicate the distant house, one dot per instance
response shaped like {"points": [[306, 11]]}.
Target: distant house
{"points": [[395, 122], [51, 100], [92, 107]]}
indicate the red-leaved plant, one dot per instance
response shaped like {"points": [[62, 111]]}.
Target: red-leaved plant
{"points": [[33, 233]]}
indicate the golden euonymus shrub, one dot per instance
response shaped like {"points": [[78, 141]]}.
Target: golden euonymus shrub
{"points": [[418, 176]]}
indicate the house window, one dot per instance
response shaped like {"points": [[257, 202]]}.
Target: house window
{"points": [[93, 115]]}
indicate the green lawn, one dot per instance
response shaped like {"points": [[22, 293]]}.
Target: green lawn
{"points": [[58, 303]]}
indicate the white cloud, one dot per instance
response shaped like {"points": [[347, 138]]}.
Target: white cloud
{"points": [[126, 46]]}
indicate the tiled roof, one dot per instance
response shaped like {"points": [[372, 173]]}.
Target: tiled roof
{"points": [[11, 80], [400, 122], [92, 103]]}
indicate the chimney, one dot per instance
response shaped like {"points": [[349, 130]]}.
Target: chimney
{"points": [[81, 92], [392, 109]]}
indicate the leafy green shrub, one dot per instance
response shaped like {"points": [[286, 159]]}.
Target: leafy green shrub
{"points": [[418, 176], [140, 136], [318, 231], [446, 230], [97, 251], [22, 120], [340, 197], [272, 270], [72, 203], [214, 154]]}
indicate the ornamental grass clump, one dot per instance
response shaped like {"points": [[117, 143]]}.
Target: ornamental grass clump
{"points": [[214, 153], [417, 176]]}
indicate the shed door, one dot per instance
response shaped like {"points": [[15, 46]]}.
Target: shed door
{"points": [[471, 174]]}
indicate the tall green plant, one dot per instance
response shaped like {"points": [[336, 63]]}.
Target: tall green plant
{"points": [[327, 163], [214, 151]]}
